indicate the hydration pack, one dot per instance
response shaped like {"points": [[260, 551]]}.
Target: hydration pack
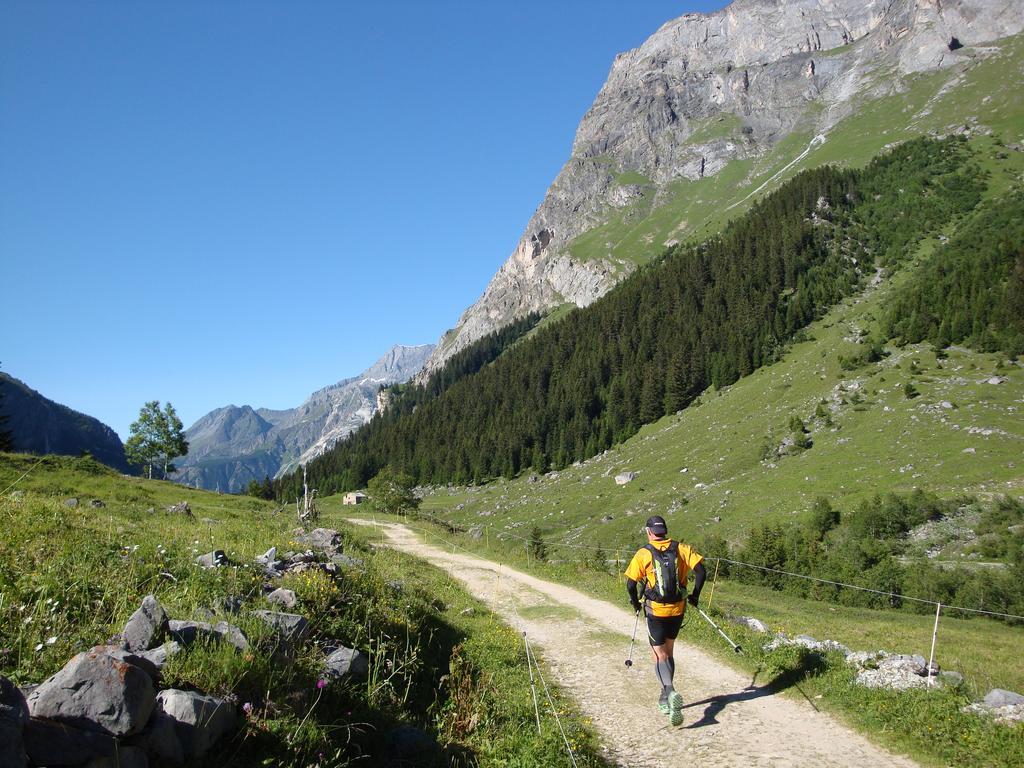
{"points": [[666, 575]]}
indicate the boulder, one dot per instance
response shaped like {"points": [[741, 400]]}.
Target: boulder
{"points": [[286, 598], [56, 744], [71, 503], [319, 538], [181, 508], [13, 717], [951, 679], [214, 559], [347, 662], [97, 504], [267, 557], [160, 741], [188, 632], [998, 697], [625, 477], [289, 627], [126, 757], [158, 656], [751, 623], [146, 627], [98, 690], [199, 721]]}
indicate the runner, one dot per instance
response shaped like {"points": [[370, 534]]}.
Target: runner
{"points": [[663, 566]]}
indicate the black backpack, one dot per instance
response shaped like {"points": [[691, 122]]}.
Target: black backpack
{"points": [[666, 575]]}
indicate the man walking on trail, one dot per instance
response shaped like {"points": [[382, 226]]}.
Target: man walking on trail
{"points": [[662, 566]]}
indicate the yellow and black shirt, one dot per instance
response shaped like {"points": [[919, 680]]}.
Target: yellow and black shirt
{"points": [[641, 570]]}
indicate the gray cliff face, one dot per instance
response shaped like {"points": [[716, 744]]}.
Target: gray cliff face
{"points": [[759, 61], [233, 445]]}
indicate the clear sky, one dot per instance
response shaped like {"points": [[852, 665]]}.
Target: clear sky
{"points": [[242, 202]]}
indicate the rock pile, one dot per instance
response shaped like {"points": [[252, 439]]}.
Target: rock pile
{"points": [[900, 672], [105, 707]]}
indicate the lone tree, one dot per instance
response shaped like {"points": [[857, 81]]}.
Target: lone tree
{"points": [[391, 492], [156, 438]]}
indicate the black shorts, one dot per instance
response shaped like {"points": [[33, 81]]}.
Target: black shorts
{"points": [[662, 628]]}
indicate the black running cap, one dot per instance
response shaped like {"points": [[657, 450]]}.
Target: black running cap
{"points": [[656, 525]]}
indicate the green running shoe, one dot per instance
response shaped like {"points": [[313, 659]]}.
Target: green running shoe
{"points": [[675, 708]]}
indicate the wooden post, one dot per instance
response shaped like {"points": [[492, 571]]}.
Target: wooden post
{"points": [[931, 656]]}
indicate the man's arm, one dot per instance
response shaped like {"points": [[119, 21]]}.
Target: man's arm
{"points": [[634, 598], [699, 574]]}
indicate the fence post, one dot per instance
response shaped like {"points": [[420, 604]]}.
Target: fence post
{"points": [[931, 656]]}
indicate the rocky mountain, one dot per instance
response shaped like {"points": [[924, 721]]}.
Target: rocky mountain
{"points": [[233, 445], [714, 108], [39, 425]]}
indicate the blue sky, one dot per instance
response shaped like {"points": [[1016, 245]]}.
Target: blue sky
{"points": [[242, 202]]}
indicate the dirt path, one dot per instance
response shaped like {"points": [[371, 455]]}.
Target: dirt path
{"points": [[729, 721]]}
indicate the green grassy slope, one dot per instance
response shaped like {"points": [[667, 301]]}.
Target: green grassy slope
{"points": [[439, 660], [962, 435], [977, 93]]}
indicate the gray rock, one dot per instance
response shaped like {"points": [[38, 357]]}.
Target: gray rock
{"points": [[286, 598], [751, 623], [347, 662], [319, 538], [625, 477], [146, 627], [160, 740], [126, 757], [71, 503], [290, 627], [97, 691], [476, 532], [188, 632], [214, 559], [158, 656], [97, 504], [199, 721], [13, 717], [998, 697], [57, 744], [267, 558]]}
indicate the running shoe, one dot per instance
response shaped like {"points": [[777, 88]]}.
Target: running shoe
{"points": [[675, 708]]}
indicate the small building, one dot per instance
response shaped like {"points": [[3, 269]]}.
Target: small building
{"points": [[353, 497]]}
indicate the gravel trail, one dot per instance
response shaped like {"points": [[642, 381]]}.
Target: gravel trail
{"points": [[729, 719]]}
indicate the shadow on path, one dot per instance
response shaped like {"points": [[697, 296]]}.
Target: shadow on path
{"points": [[809, 664]]}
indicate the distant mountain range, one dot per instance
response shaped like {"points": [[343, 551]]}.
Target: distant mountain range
{"points": [[233, 445], [39, 425]]}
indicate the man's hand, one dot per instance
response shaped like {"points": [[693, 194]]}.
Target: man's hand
{"points": [[636, 606], [692, 600]]}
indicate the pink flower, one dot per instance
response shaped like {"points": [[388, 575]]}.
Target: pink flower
{"points": [[247, 708], [321, 684]]}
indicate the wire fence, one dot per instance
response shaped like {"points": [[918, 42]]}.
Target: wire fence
{"points": [[625, 554]]}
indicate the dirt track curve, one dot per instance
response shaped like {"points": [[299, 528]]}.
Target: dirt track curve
{"points": [[729, 720]]}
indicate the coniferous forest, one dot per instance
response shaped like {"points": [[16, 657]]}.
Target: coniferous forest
{"points": [[701, 315]]}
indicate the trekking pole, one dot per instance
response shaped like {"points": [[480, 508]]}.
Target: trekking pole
{"points": [[629, 659], [707, 618]]}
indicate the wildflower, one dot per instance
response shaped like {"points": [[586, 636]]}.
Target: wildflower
{"points": [[247, 707], [321, 684]]}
